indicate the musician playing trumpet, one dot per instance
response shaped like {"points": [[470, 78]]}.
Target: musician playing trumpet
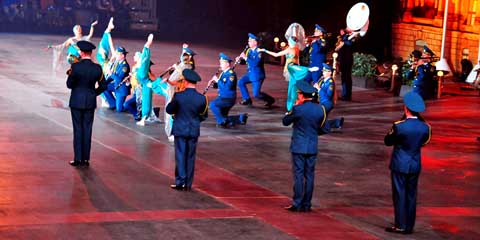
{"points": [[226, 82], [424, 72], [316, 48]]}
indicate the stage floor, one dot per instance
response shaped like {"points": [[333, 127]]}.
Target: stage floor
{"points": [[243, 175]]}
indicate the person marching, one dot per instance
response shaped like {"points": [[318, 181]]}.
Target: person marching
{"points": [[227, 94], [326, 90], [317, 52], [407, 137], [308, 119], [82, 78], [189, 108], [255, 74]]}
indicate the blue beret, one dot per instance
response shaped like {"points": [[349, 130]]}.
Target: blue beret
{"points": [[189, 51], [305, 87], [318, 27], [428, 50], [252, 36], [85, 46], [414, 102], [327, 67], [121, 50], [224, 57], [191, 75]]}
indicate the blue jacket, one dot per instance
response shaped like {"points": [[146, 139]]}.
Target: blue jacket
{"points": [[255, 63], [82, 78], [189, 109], [308, 119], [227, 84], [423, 75], [327, 88], [318, 53], [407, 136], [121, 71]]}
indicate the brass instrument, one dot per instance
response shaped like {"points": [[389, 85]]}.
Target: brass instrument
{"points": [[310, 39], [334, 66]]}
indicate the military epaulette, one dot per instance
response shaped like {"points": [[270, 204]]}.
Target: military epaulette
{"points": [[231, 71], [331, 81], [399, 121]]}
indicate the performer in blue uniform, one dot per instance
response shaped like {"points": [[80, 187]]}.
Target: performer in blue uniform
{"points": [[326, 91], [407, 137], [424, 73], [119, 72], [82, 78], [189, 108], [255, 74], [226, 83], [317, 52], [307, 118]]}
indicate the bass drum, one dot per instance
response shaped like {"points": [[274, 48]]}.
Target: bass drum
{"points": [[357, 17]]}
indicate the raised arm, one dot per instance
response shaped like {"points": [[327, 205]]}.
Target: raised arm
{"points": [[92, 26], [279, 54]]}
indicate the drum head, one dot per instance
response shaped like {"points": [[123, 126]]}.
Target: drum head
{"points": [[358, 15]]}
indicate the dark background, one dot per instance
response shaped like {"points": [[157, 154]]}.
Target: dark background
{"points": [[228, 22], [221, 22]]}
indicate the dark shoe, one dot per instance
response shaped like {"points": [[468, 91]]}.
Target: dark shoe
{"points": [[223, 125], [246, 102], [292, 208], [342, 119], [75, 163], [177, 187], [306, 209], [86, 163], [243, 118], [270, 103], [396, 230], [188, 189]]}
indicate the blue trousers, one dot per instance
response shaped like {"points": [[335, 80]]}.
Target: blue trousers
{"points": [[185, 152], [220, 108], [131, 105], [117, 100], [330, 123], [303, 167], [313, 77], [256, 88], [404, 193]]}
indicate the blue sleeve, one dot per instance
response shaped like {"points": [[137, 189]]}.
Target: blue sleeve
{"points": [[289, 118], [346, 40]]}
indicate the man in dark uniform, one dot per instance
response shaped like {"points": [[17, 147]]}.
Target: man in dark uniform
{"points": [[188, 108], [407, 136], [308, 119], [226, 83], [255, 74], [345, 55], [82, 78]]}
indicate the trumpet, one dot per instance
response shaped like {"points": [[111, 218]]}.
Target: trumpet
{"points": [[310, 39]]}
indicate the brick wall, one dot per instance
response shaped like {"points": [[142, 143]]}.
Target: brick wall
{"points": [[405, 34]]}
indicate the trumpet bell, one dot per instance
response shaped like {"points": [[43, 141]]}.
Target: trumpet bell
{"points": [[357, 17]]}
